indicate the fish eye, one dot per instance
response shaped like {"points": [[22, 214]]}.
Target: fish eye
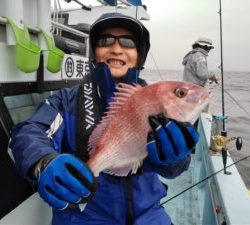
{"points": [[181, 92]]}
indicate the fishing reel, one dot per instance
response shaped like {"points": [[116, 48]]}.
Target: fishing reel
{"points": [[219, 144]]}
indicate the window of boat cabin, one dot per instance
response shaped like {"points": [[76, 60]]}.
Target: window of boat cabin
{"points": [[22, 107], [14, 109]]}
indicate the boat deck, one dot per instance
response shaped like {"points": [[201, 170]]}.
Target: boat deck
{"points": [[183, 209]]}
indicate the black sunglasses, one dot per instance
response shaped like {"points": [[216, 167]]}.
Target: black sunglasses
{"points": [[125, 41]]}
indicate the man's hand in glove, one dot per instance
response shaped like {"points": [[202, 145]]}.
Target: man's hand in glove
{"points": [[64, 180], [169, 141]]}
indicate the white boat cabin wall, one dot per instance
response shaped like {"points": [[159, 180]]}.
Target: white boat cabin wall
{"points": [[37, 47]]}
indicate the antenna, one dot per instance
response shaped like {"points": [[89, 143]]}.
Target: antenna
{"points": [[79, 3], [221, 68]]}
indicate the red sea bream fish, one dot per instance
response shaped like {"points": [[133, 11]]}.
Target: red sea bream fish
{"points": [[118, 144]]}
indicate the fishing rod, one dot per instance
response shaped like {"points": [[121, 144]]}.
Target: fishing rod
{"points": [[206, 178], [221, 68]]}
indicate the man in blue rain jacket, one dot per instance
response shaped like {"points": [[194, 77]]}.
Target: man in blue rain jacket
{"points": [[50, 148]]}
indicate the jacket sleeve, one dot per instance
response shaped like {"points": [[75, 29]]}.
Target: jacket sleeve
{"points": [[169, 171], [200, 66], [33, 138]]}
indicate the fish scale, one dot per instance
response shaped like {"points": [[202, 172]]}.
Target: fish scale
{"points": [[117, 145]]}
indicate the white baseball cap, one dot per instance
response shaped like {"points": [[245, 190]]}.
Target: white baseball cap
{"points": [[204, 42]]}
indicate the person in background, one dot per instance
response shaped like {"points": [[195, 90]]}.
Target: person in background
{"points": [[195, 63], [50, 148]]}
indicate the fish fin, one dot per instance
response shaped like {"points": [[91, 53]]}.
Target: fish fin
{"points": [[97, 133], [124, 171], [125, 91]]}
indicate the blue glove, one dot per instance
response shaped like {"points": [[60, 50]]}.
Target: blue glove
{"points": [[169, 141], [65, 181]]}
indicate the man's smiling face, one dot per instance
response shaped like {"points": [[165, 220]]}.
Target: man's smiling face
{"points": [[118, 58]]}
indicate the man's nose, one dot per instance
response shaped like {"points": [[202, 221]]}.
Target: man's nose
{"points": [[116, 46]]}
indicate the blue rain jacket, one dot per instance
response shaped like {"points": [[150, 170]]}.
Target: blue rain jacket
{"points": [[52, 129]]}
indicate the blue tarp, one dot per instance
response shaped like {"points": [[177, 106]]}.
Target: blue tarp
{"points": [[135, 2], [111, 2]]}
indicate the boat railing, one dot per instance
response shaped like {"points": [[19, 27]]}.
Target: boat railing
{"points": [[69, 29], [223, 197]]}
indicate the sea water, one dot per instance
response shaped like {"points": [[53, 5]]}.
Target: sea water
{"points": [[236, 107]]}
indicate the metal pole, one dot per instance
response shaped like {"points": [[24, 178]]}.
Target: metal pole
{"points": [[221, 68]]}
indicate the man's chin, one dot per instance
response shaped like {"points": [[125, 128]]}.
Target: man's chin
{"points": [[117, 74]]}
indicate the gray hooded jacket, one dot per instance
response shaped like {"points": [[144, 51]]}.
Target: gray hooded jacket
{"points": [[195, 67]]}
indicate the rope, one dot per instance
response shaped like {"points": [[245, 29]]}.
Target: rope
{"points": [[156, 66], [235, 101]]}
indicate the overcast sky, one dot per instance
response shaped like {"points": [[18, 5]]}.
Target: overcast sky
{"points": [[175, 24]]}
